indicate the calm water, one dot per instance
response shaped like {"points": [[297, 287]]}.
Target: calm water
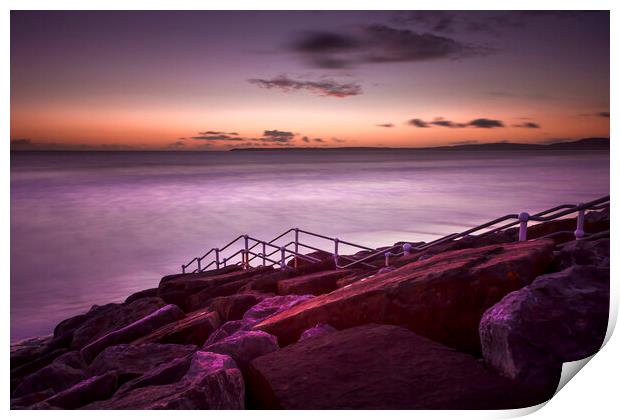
{"points": [[91, 228]]}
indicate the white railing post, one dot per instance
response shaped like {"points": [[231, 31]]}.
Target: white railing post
{"points": [[581, 217], [387, 259], [406, 249], [523, 218], [282, 259], [217, 258], [296, 245], [264, 256], [336, 251], [244, 255]]}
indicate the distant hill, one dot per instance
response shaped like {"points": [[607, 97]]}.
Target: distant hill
{"points": [[592, 143]]}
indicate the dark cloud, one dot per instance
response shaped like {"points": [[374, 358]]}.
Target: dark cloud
{"points": [[277, 136], [217, 137], [307, 139], [379, 44], [447, 123], [337, 140], [176, 145], [324, 87], [318, 140], [486, 123], [386, 125], [416, 122], [603, 114], [21, 144], [440, 122], [527, 125]]}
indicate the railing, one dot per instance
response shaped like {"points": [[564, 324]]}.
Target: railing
{"points": [[277, 255]]}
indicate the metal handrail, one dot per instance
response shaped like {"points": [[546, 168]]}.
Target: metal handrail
{"points": [[522, 220]]}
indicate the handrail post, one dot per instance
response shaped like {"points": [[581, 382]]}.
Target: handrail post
{"points": [[336, 240], [183, 268], [296, 245], [224, 262], [264, 254], [198, 262], [244, 255], [581, 216], [406, 249], [282, 259], [523, 218], [387, 259], [217, 258]]}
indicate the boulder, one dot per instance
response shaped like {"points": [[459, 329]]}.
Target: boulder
{"points": [[111, 318], [57, 376], [272, 306], [560, 317], [95, 388], [165, 373], [142, 294], [195, 328], [312, 284], [30, 399], [179, 288], [134, 360], [442, 297], [377, 367], [25, 351], [317, 330], [244, 346], [232, 308], [39, 362], [209, 273], [583, 252], [227, 329], [212, 381], [69, 325], [131, 332]]}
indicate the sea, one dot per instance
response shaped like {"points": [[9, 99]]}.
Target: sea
{"points": [[89, 228]]}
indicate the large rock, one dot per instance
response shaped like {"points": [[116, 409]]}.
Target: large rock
{"points": [[131, 332], [165, 373], [245, 346], [178, 289], [256, 314], [232, 308], [195, 328], [62, 373], [95, 388], [442, 297], [377, 367], [135, 360], [583, 252], [110, 318], [559, 318], [317, 330], [212, 381], [312, 284]]}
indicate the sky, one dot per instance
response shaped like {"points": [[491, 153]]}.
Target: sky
{"points": [[216, 80]]}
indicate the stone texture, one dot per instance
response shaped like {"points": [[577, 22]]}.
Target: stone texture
{"points": [[212, 381], [194, 329], [312, 284], [377, 367], [232, 308], [317, 330], [559, 318], [111, 318], [135, 360], [95, 388], [245, 346], [583, 252], [165, 373], [58, 375], [131, 332], [442, 297]]}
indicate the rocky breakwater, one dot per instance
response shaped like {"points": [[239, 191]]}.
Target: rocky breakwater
{"points": [[480, 323]]}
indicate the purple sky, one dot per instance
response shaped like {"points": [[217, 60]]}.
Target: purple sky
{"points": [[215, 80]]}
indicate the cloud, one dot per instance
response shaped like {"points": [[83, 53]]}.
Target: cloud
{"points": [[416, 122], [446, 123], [176, 145], [386, 125], [441, 122], [604, 114], [277, 136], [486, 123], [527, 125], [216, 137], [324, 87], [379, 44]]}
